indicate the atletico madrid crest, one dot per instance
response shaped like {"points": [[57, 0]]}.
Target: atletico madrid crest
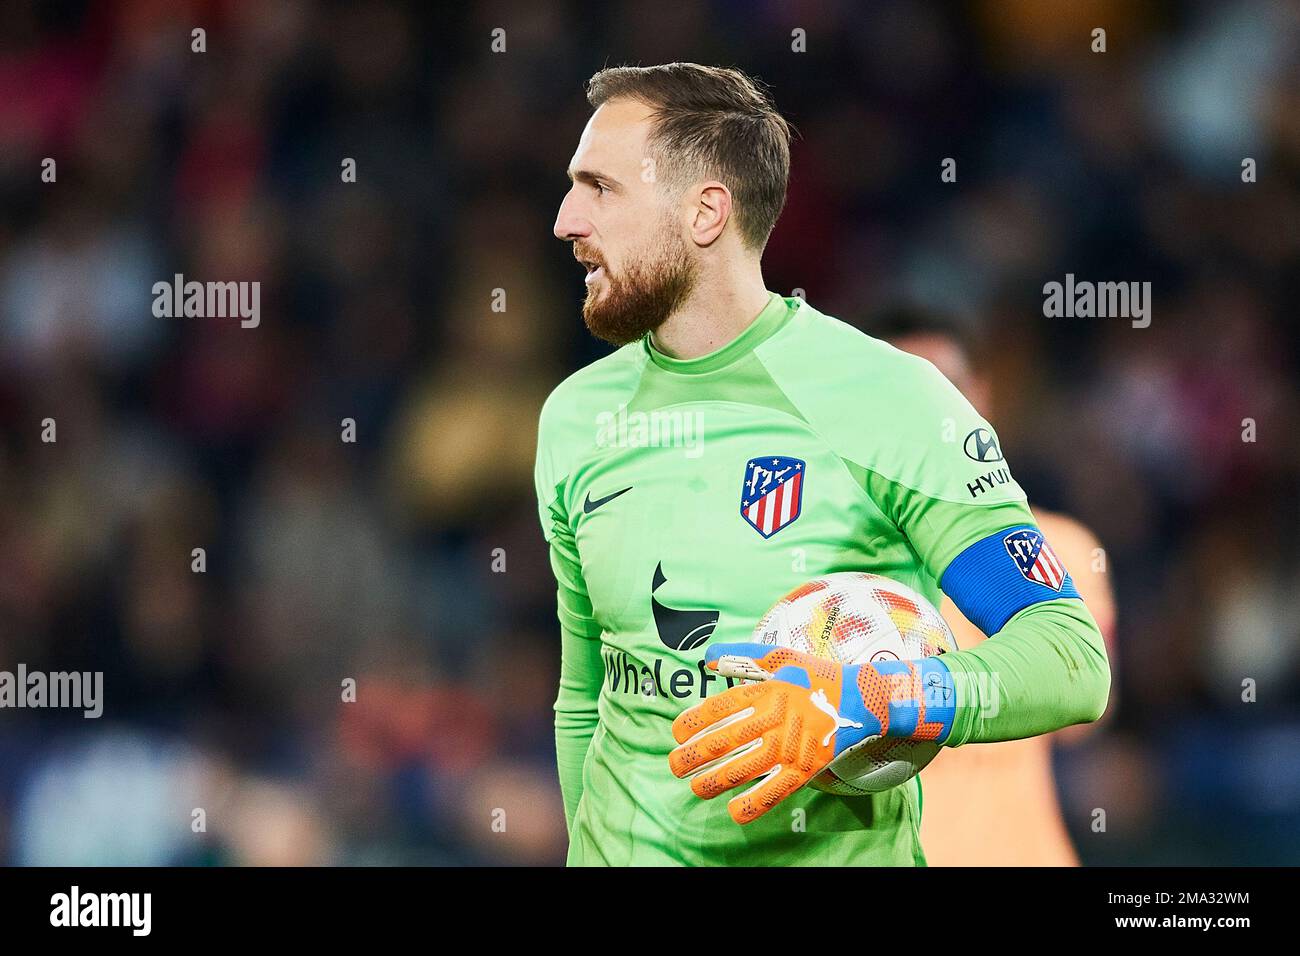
{"points": [[771, 495], [1035, 558]]}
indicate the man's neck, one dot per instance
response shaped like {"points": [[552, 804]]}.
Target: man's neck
{"points": [[716, 313]]}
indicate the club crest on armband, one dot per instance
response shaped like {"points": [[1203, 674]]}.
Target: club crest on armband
{"points": [[1035, 558], [771, 495]]}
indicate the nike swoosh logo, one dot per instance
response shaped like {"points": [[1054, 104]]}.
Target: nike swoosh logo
{"points": [[589, 506]]}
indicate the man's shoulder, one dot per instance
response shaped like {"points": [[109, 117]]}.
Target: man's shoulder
{"points": [[888, 411], [837, 368], [570, 412]]}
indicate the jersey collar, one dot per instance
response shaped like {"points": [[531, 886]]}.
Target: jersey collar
{"points": [[764, 325]]}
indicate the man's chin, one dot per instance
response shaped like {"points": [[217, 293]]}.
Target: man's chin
{"points": [[591, 311], [622, 310], [615, 326]]}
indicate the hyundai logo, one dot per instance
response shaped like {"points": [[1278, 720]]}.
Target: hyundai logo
{"points": [[982, 446]]}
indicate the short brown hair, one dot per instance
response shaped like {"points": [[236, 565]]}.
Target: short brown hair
{"points": [[712, 121]]}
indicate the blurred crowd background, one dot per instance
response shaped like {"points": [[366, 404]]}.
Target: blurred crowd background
{"points": [[373, 560]]}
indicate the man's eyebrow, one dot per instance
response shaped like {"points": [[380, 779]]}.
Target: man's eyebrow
{"points": [[591, 177]]}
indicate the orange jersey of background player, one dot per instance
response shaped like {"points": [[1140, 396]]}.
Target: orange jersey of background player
{"points": [[996, 804]]}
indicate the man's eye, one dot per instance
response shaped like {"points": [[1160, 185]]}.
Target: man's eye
{"points": [[601, 188]]}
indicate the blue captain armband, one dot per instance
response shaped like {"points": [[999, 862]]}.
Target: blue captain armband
{"points": [[1004, 573]]}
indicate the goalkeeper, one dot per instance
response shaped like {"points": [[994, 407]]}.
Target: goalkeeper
{"points": [[736, 444]]}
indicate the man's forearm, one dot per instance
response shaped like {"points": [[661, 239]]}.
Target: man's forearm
{"points": [[576, 713], [1044, 670], [572, 738]]}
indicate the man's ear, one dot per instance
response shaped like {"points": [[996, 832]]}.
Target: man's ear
{"points": [[712, 212]]}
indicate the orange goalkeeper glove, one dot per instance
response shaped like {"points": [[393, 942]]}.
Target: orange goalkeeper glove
{"points": [[803, 713]]}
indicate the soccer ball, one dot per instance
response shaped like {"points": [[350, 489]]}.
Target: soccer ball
{"points": [[852, 618]]}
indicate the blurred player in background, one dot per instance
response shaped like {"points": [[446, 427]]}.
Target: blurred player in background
{"points": [[996, 805]]}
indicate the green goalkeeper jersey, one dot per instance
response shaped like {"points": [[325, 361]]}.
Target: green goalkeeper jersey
{"points": [[681, 497]]}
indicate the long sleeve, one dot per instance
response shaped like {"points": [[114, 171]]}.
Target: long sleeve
{"points": [[1045, 666], [1046, 669], [581, 672], [581, 669]]}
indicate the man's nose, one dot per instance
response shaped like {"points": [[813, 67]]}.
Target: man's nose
{"points": [[569, 223]]}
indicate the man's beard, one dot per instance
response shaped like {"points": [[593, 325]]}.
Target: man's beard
{"points": [[646, 292]]}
